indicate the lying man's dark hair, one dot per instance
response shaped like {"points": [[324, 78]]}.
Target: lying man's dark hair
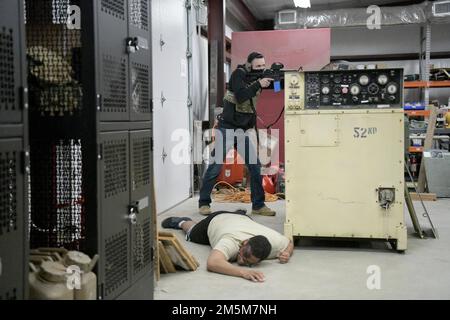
{"points": [[260, 247]]}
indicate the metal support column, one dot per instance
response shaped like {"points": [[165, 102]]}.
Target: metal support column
{"points": [[216, 40]]}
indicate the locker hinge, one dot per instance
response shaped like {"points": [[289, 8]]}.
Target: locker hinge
{"points": [[189, 102], [101, 291], [24, 167], [161, 42], [24, 98], [163, 99], [100, 151], [188, 54], [99, 102], [187, 4]]}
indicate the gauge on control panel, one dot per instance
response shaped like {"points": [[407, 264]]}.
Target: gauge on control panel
{"points": [[325, 90], [392, 88], [363, 80], [355, 89], [325, 79], [337, 79], [382, 79], [373, 88]]}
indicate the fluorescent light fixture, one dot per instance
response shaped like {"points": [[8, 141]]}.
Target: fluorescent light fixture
{"points": [[302, 3]]}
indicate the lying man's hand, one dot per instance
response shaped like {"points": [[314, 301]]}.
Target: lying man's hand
{"points": [[284, 256], [253, 275]]}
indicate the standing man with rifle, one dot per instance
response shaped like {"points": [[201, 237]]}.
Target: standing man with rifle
{"points": [[239, 115]]}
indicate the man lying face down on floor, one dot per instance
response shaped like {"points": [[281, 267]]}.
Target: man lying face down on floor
{"points": [[234, 236]]}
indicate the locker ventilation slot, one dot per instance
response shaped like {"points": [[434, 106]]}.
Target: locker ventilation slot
{"points": [[57, 204], [139, 13], [115, 158], [7, 96], [141, 247], [8, 195], [141, 162], [114, 84], [59, 11], [9, 295], [116, 259], [140, 88], [54, 59], [115, 8]]}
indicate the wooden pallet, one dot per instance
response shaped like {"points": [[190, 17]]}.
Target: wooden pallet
{"points": [[424, 196], [173, 254], [165, 262]]}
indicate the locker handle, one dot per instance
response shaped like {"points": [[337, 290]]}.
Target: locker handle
{"points": [[132, 218], [132, 44], [133, 211]]}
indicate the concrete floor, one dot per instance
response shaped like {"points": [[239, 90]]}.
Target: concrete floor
{"points": [[323, 270]]}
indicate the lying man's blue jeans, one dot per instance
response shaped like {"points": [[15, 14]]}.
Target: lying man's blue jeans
{"points": [[247, 151]]}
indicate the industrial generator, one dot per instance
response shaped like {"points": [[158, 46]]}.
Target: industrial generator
{"points": [[344, 141]]}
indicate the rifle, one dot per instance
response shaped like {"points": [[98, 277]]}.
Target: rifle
{"points": [[275, 72]]}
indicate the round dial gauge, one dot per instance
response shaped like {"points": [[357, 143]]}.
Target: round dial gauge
{"points": [[294, 80], [325, 90], [355, 89], [373, 88], [382, 79], [337, 79], [364, 80], [325, 79], [392, 88]]}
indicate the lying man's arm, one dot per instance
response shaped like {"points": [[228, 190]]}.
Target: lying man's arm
{"points": [[219, 264], [285, 255]]}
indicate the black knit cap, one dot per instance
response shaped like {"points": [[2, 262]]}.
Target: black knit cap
{"points": [[254, 55]]}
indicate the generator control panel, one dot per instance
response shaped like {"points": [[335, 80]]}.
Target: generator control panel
{"points": [[345, 89]]}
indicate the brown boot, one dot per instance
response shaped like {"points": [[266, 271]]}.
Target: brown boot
{"points": [[204, 210], [264, 211]]}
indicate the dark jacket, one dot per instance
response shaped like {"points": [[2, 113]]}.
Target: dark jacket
{"points": [[244, 92]]}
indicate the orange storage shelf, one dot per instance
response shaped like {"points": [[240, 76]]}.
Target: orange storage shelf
{"points": [[442, 84], [424, 84], [418, 113], [415, 149], [415, 84]]}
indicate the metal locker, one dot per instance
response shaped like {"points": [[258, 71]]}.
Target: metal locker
{"points": [[139, 48], [11, 57], [113, 74], [13, 155], [58, 201], [115, 218], [13, 263], [89, 173], [141, 203], [57, 125]]}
